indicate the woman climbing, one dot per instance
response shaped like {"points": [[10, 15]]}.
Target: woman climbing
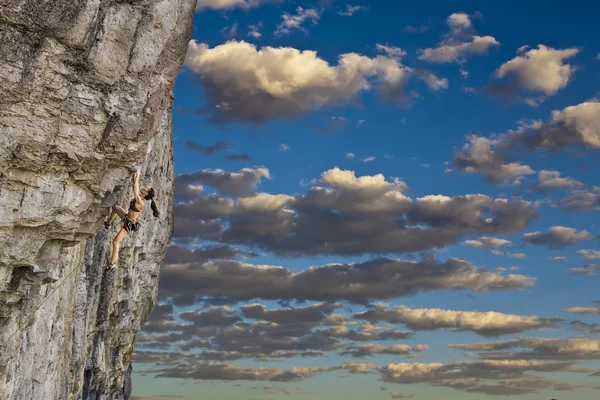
{"points": [[129, 217]]}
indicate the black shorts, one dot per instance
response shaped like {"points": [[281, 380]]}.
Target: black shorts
{"points": [[130, 226]]}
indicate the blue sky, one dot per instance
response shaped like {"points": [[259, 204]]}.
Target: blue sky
{"points": [[358, 114]]}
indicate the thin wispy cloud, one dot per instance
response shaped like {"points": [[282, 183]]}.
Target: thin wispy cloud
{"points": [[349, 10], [296, 21]]}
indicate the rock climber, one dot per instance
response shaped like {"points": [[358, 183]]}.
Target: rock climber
{"points": [[129, 217]]}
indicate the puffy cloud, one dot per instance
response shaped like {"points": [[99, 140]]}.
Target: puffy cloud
{"points": [[482, 323], [341, 214], [543, 69], [240, 183], [215, 316], [363, 350], [377, 279], [557, 237], [262, 202], [497, 157], [588, 269], [294, 22], [581, 200], [468, 212], [365, 332], [589, 254], [459, 43], [581, 326], [203, 207], [453, 52], [230, 372], [551, 180], [201, 370], [480, 156], [583, 310], [540, 349], [229, 4], [177, 254], [578, 124], [345, 192], [478, 376], [245, 84], [314, 315], [485, 242]]}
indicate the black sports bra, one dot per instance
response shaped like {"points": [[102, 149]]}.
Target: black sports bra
{"points": [[132, 206]]}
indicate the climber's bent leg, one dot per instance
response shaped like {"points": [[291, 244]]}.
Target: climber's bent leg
{"points": [[115, 210], [114, 257]]}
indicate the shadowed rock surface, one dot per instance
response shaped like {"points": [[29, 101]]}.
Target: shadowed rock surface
{"points": [[85, 92]]}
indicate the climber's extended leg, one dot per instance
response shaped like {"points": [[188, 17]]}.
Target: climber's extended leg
{"points": [[114, 257], [115, 210]]}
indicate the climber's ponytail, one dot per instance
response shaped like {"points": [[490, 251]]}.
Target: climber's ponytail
{"points": [[154, 209], [150, 196]]}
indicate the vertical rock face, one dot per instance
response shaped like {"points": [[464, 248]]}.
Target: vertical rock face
{"points": [[85, 92]]}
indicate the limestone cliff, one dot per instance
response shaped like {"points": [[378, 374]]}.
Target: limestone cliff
{"points": [[85, 92]]}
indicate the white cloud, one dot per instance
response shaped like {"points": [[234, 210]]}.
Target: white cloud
{"points": [[253, 30], [391, 51], [483, 323], [541, 348], [229, 4], [580, 123], [542, 69], [496, 157], [589, 254], [479, 156], [347, 180], [350, 10], [350, 156], [283, 147], [551, 180], [517, 255], [262, 202], [245, 83], [459, 43], [557, 236], [559, 259], [367, 159], [588, 270], [583, 310], [488, 243], [294, 22]]}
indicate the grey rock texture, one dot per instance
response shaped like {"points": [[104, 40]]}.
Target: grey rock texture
{"points": [[85, 92]]}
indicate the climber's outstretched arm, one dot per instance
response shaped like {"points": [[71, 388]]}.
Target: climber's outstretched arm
{"points": [[136, 185]]}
